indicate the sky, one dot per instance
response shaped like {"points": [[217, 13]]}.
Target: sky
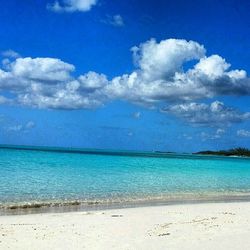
{"points": [[128, 75]]}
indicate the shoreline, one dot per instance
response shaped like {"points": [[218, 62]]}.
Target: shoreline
{"points": [[94, 205], [213, 226]]}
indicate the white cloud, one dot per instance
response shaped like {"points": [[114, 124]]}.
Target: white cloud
{"points": [[92, 81], [159, 79], [214, 136], [213, 66], [115, 20], [72, 5], [243, 133], [10, 54], [21, 127], [162, 60], [215, 114], [160, 76], [48, 83], [45, 69], [15, 128]]}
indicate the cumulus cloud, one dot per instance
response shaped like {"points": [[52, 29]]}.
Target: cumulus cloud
{"points": [[204, 114], [41, 69], [161, 77], [92, 81], [48, 83], [160, 74], [243, 133], [71, 5], [162, 60], [115, 20]]}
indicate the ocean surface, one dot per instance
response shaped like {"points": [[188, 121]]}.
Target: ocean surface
{"points": [[56, 177]]}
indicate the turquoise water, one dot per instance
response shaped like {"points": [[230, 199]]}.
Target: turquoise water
{"points": [[45, 176]]}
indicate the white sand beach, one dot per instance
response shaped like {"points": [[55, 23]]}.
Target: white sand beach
{"points": [[187, 226]]}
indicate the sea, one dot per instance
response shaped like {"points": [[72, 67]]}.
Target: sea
{"points": [[62, 179]]}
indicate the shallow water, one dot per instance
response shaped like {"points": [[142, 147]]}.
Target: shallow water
{"points": [[55, 178]]}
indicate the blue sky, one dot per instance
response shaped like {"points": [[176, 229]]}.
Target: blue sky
{"points": [[139, 75]]}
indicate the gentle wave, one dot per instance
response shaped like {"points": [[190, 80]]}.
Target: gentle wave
{"points": [[78, 205]]}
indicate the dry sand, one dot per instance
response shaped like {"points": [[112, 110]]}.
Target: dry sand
{"points": [[196, 226]]}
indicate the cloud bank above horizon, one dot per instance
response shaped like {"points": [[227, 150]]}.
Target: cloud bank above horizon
{"points": [[161, 79]]}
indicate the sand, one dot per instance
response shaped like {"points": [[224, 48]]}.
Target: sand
{"points": [[195, 226]]}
